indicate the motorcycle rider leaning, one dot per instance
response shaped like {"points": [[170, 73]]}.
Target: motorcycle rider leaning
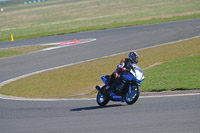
{"points": [[125, 65]]}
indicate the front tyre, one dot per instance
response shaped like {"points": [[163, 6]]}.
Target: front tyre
{"points": [[102, 99], [132, 97]]}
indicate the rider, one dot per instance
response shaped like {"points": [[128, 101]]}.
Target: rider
{"points": [[125, 64]]}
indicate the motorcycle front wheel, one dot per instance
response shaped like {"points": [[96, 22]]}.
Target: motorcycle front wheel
{"points": [[102, 99], [132, 97]]}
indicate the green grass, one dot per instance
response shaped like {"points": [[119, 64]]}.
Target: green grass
{"points": [[81, 79], [9, 53], [183, 73], [21, 50], [54, 17]]}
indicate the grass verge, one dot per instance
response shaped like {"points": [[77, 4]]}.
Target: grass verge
{"points": [[67, 16], [21, 50], [182, 73], [79, 80], [41, 31]]}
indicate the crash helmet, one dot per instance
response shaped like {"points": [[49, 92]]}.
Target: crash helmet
{"points": [[133, 56]]}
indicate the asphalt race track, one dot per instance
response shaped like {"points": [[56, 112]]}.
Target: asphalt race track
{"points": [[147, 115], [176, 114]]}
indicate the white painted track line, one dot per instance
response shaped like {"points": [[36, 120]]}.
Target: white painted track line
{"points": [[29, 74], [87, 99], [26, 75]]}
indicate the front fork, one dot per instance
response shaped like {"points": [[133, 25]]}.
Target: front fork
{"points": [[132, 88]]}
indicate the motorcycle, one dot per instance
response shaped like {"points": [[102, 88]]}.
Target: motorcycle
{"points": [[126, 88]]}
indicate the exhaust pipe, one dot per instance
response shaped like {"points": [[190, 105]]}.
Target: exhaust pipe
{"points": [[117, 98]]}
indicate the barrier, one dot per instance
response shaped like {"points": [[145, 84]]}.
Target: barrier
{"points": [[35, 1]]}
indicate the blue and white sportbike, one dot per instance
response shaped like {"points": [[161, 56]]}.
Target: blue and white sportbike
{"points": [[126, 88]]}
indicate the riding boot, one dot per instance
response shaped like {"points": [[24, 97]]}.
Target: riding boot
{"points": [[109, 83]]}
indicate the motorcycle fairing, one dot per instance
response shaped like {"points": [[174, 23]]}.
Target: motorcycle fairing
{"points": [[104, 78], [130, 77]]}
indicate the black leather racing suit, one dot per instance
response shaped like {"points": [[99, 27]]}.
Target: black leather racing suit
{"points": [[125, 65]]}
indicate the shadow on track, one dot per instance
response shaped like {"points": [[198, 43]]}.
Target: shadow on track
{"points": [[95, 107]]}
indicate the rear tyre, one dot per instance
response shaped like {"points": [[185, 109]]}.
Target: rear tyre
{"points": [[132, 97]]}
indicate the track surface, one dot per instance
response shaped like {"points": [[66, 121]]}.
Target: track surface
{"points": [[169, 114], [147, 115]]}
